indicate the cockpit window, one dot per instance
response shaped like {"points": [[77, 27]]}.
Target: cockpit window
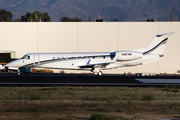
{"points": [[23, 56], [26, 57]]}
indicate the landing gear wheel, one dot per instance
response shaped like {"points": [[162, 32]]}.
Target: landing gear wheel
{"points": [[19, 72], [96, 73], [100, 73]]}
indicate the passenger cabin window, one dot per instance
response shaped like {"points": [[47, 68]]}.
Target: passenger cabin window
{"points": [[104, 57]]}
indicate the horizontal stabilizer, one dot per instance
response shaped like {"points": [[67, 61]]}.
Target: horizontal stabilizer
{"points": [[170, 33]]}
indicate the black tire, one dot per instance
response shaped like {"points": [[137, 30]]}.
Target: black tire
{"points": [[100, 73]]}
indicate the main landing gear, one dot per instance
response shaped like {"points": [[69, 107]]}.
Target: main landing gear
{"points": [[100, 73], [97, 72]]}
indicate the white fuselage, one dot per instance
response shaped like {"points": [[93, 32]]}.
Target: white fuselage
{"points": [[76, 61]]}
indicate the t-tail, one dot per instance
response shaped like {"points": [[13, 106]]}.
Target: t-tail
{"points": [[157, 45]]}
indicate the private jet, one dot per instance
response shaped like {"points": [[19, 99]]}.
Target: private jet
{"points": [[95, 62]]}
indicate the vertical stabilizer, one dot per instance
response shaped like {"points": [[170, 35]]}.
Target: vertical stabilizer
{"points": [[157, 45]]}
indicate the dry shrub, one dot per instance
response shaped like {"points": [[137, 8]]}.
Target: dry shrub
{"points": [[147, 97], [105, 117], [62, 72], [42, 71]]}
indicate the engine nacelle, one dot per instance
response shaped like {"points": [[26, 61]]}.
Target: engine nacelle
{"points": [[128, 55]]}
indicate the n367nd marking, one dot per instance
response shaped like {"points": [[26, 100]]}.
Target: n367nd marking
{"points": [[129, 54]]}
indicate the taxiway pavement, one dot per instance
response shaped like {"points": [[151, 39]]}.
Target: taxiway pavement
{"points": [[39, 79]]}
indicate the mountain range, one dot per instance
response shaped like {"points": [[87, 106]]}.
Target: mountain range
{"points": [[123, 10]]}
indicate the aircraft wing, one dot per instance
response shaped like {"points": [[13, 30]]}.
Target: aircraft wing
{"points": [[95, 65]]}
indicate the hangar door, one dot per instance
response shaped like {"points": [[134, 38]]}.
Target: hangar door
{"points": [[5, 58]]}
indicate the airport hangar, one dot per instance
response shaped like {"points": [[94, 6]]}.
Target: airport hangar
{"points": [[20, 38]]}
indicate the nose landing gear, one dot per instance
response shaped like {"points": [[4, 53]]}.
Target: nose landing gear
{"points": [[19, 72]]}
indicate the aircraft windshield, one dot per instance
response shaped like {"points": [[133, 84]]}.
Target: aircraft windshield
{"points": [[26, 57], [23, 56]]}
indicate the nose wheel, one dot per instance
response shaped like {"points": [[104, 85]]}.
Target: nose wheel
{"points": [[19, 72]]}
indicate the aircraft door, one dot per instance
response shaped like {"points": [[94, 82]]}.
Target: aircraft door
{"points": [[26, 63], [23, 62], [26, 60]]}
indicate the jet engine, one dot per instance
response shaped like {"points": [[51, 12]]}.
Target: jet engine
{"points": [[128, 55]]}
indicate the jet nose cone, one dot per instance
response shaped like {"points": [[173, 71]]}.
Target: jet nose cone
{"points": [[7, 65], [11, 66]]}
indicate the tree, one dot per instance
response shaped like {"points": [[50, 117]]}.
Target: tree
{"points": [[76, 19], [67, 19], [5, 16], [24, 18], [34, 16]]}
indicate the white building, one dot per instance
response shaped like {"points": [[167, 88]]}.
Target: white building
{"points": [[27, 37]]}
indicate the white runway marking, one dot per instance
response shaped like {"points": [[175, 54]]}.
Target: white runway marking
{"points": [[159, 80]]}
